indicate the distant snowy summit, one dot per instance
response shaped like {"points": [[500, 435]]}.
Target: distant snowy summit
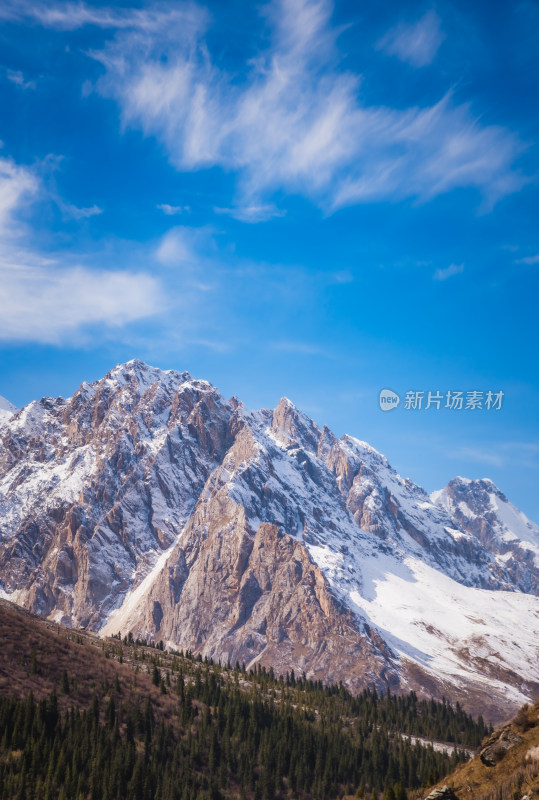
{"points": [[7, 410], [482, 510], [148, 502]]}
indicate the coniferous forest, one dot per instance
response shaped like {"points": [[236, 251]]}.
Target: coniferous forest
{"points": [[233, 734]]}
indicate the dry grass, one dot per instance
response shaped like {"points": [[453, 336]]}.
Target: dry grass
{"points": [[34, 653], [515, 777]]}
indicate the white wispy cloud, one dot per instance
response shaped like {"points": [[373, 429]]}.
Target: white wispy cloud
{"points": [[45, 299], [183, 246], [252, 213], [173, 287], [299, 348], [444, 273], [50, 303], [171, 211], [72, 15], [80, 213], [416, 43], [528, 260], [291, 119], [17, 183], [480, 455], [501, 454], [17, 77]]}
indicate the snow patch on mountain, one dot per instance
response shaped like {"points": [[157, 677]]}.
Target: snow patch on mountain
{"points": [[514, 525], [120, 619], [7, 410], [449, 629]]}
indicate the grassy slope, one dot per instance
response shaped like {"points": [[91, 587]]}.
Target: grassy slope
{"points": [[515, 777], [57, 649]]}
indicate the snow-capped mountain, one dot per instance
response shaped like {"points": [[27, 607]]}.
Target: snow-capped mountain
{"points": [[149, 503], [483, 511], [7, 410]]}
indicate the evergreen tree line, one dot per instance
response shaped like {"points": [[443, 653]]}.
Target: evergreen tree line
{"points": [[333, 703], [274, 738]]}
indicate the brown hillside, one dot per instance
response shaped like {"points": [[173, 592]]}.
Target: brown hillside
{"points": [[506, 766], [35, 652]]}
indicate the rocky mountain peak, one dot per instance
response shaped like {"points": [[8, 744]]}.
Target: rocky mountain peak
{"points": [[473, 498], [481, 509], [294, 428], [476, 492], [140, 376]]}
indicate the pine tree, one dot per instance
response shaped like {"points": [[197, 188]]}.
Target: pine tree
{"points": [[64, 684]]}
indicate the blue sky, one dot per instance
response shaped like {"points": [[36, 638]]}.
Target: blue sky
{"points": [[295, 198]]}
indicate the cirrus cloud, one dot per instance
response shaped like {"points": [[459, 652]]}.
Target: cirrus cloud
{"points": [[290, 119], [416, 43], [444, 273], [528, 260]]}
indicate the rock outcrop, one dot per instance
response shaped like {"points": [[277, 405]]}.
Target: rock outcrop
{"points": [[498, 745], [443, 793]]}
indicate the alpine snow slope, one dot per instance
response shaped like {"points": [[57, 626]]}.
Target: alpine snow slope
{"points": [[7, 410], [149, 503]]}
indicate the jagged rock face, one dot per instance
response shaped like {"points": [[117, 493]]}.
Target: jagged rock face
{"points": [[401, 513], [94, 486], [482, 510], [268, 603], [266, 600], [148, 503]]}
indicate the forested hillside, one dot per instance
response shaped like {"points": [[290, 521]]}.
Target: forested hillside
{"points": [[121, 719]]}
